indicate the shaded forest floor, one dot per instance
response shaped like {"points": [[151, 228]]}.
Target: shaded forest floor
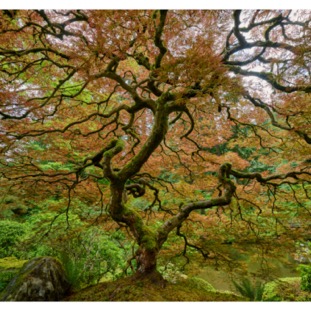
{"points": [[131, 289]]}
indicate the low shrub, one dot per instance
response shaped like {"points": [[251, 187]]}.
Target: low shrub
{"points": [[285, 289], [11, 233], [305, 273], [90, 256]]}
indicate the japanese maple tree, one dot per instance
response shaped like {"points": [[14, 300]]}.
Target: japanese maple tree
{"points": [[127, 96]]}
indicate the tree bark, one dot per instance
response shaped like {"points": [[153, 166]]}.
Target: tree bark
{"points": [[146, 260]]}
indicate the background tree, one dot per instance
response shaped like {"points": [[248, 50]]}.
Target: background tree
{"points": [[188, 110]]}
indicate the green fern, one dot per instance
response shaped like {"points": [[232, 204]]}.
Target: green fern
{"points": [[246, 288]]}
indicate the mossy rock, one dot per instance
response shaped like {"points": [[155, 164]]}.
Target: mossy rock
{"points": [[9, 267], [200, 284], [131, 289], [40, 279], [285, 289]]}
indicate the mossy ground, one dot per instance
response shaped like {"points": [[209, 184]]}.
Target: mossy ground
{"points": [[132, 289]]}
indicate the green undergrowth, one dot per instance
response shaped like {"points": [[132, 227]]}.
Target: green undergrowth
{"points": [[131, 289]]}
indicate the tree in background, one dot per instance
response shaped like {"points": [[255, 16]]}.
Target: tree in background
{"points": [[155, 115]]}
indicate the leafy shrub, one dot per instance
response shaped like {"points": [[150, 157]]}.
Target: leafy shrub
{"points": [[5, 278], [11, 233], [91, 255], [285, 289], [305, 273], [253, 291], [30, 239]]}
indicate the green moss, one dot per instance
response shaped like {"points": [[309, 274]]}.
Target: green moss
{"points": [[148, 235], [116, 146], [11, 263], [130, 289], [149, 238]]}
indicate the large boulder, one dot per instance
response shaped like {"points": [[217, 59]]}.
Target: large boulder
{"points": [[40, 279]]}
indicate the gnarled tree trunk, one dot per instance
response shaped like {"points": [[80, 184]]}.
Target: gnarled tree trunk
{"points": [[147, 266], [146, 238]]}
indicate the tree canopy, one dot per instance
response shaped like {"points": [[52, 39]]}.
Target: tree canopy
{"points": [[154, 117]]}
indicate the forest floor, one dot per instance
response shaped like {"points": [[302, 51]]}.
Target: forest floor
{"points": [[131, 289]]}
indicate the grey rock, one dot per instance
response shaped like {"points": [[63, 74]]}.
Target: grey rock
{"points": [[40, 279]]}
